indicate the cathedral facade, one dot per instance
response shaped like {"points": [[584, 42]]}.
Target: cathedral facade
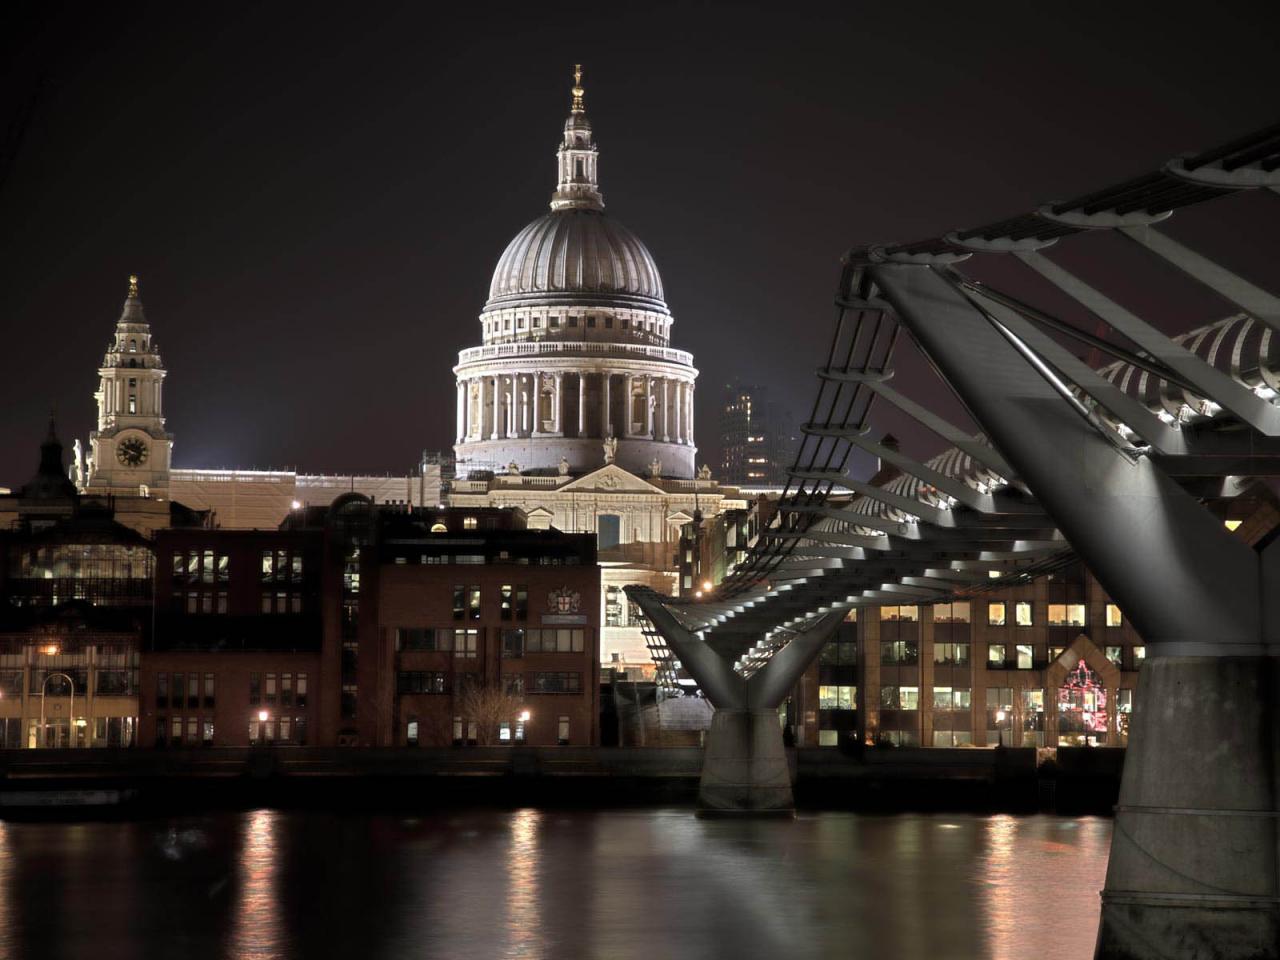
{"points": [[575, 342], [575, 408]]}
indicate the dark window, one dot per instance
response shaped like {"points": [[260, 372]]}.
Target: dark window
{"points": [[522, 602], [459, 602], [255, 689], [512, 643], [162, 690], [608, 531], [208, 690], [115, 683], [557, 682], [421, 681]]}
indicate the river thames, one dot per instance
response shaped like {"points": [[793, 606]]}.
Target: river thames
{"points": [[530, 883]]}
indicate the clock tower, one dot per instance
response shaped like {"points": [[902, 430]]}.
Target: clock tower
{"points": [[130, 450]]}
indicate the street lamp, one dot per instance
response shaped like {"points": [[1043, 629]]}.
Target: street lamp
{"points": [[71, 706], [1000, 715]]}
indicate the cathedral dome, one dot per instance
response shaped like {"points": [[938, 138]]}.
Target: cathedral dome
{"points": [[577, 251]]}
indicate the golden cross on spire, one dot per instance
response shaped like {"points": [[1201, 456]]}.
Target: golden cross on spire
{"points": [[578, 106], [133, 286]]}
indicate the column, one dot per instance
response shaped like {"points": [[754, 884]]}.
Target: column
{"points": [[557, 407], [648, 407], [523, 428], [513, 408], [606, 426], [626, 418], [461, 391], [666, 409], [688, 411], [535, 405], [678, 413], [582, 404], [497, 406]]}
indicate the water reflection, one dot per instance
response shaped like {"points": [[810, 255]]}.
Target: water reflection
{"points": [[537, 885], [524, 928], [257, 931], [8, 930]]}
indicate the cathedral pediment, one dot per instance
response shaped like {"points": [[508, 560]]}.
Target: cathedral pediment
{"points": [[611, 478]]}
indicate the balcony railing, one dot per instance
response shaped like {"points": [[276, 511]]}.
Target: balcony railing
{"points": [[544, 348]]}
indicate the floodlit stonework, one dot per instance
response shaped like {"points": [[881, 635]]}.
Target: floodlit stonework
{"points": [[575, 343], [575, 408], [129, 452]]}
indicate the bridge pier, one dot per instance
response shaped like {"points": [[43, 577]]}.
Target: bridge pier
{"points": [[744, 766], [745, 771], [1193, 868], [1194, 872]]}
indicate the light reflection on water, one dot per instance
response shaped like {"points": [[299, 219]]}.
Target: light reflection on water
{"points": [[537, 885]]}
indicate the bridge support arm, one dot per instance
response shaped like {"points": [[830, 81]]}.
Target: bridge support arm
{"points": [[745, 768]]}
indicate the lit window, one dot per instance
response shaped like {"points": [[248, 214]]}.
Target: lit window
{"points": [[899, 651], [1114, 619], [951, 654], [1024, 654], [1115, 655], [995, 654], [469, 523], [1139, 654], [951, 612], [837, 697], [1022, 614], [909, 698], [996, 614], [1066, 614], [899, 613]]}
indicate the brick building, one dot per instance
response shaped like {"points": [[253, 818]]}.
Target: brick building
{"points": [[236, 652], [472, 628], [1047, 662]]}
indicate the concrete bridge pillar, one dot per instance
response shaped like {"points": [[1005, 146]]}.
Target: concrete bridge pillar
{"points": [[1193, 861], [745, 770], [1194, 871]]}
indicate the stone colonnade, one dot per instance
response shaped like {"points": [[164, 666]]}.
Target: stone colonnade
{"points": [[496, 406]]}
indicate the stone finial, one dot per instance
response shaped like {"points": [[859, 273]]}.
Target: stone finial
{"points": [[133, 286], [578, 105]]}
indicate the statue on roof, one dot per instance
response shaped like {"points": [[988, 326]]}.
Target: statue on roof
{"points": [[610, 449]]}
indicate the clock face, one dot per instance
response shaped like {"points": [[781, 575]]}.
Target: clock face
{"points": [[132, 452]]}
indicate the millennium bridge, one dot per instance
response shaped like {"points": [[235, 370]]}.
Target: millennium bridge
{"points": [[1126, 466]]}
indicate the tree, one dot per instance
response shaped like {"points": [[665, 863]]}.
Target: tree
{"points": [[490, 707]]}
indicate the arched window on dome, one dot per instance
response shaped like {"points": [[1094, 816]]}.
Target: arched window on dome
{"points": [[133, 346], [577, 169], [439, 527]]}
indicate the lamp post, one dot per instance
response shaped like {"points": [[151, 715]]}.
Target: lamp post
{"points": [[71, 706], [1000, 717]]}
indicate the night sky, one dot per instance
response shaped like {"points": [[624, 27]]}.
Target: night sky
{"points": [[315, 198]]}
